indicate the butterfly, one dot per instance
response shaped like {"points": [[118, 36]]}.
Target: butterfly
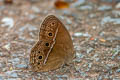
{"points": [[54, 47]]}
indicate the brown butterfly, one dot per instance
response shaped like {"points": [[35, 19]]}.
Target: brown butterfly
{"points": [[54, 47]]}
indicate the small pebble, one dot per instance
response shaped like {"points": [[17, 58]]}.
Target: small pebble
{"points": [[89, 50], [86, 35], [11, 68], [27, 26], [89, 65], [118, 57], [102, 33], [86, 7], [92, 38], [102, 40], [100, 78], [79, 34], [97, 59], [107, 0], [34, 1], [109, 19], [69, 21], [62, 17], [77, 47], [2, 7], [7, 46], [67, 12], [78, 3], [31, 16], [117, 6], [14, 60], [12, 79], [105, 20], [116, 52], [110, 65], [106, 76], [83, 74], [92, 15], [1, 54], [79, 55], [77, 67], [36, 9], [104, 7], [62, 76], [7, 21], [118, 70], [95, 55], [116, 13], [1, 78], [2, 64], [12, 74], [21, 66], [116, 78]]}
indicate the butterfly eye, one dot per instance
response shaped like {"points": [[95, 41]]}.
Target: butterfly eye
{"points": [[40, 57], [50, 34], [47, 44]]}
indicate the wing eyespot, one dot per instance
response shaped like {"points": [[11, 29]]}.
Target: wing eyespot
{"points": [[50, 34], [40, 57], [38, 51], [52, 24], [47, 44]]}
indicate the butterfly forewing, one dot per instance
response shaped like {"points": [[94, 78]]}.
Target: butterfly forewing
{"points": [[48, 28], [48, 31]]}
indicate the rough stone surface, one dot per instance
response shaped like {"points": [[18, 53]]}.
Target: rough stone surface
{"points": [[93, 25]]}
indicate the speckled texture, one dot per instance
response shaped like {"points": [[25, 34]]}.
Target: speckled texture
{"points": [[93, 25]]}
